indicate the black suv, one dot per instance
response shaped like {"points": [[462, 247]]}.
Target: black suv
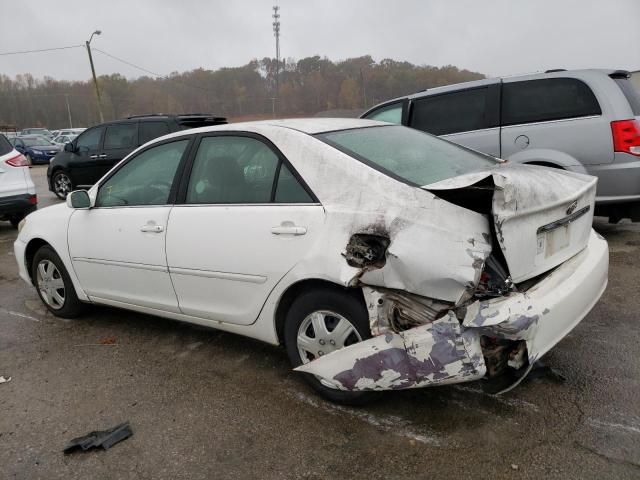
{"points": [[85, 160]]}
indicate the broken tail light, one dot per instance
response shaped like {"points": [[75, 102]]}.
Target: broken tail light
{"points": [[626, 136]]}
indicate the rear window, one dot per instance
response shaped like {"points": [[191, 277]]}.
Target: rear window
{"points": [[630, 93], [5, 146], [547, 99], [406, 154], [461, 111]]}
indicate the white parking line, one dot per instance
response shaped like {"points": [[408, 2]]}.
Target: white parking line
{"points": [[18, 314]]}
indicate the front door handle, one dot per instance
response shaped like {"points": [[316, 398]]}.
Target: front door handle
{"points": [[104, 155], [93, 157], [288, 228], [152, 228]]}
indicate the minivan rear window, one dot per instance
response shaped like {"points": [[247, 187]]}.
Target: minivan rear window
{"points": [[547, 99], [630, 92]]}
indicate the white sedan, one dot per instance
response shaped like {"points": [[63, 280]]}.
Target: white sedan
{"points": [[380, 256]]}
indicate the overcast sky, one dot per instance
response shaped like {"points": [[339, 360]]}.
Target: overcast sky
{"points": [[495, 37]]}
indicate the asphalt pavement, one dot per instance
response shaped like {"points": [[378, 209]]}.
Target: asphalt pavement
{"points": [[204, 404]]}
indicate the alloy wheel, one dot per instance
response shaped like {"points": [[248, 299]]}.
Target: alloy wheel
{"points": [[62, 185]]}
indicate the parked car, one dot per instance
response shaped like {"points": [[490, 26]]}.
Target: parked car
{"points": [[380, 256], [69, 131], [99, 148], [36, 131], [35, 148], [64, 139], [585, 121], [17, 191]]}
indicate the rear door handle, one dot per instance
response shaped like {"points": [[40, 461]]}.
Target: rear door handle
{"points": [[104, 155], [288, 228], [93, 157], [152, 228]]}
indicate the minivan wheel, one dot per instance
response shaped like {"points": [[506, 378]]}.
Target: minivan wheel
{"points": [[62, 185], [53, 284], [319, 322]]}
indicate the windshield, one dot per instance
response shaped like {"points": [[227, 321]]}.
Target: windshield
{"points": [[36, 142], [407, 154]]}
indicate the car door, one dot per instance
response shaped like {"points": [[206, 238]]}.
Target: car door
{"points": [[244, 219], [82, 164], [120, 139], [469, 117], [118, 246], [543, 119]]}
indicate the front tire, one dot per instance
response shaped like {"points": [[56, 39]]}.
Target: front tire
{"points": [[62, 185], [319, 322], [53, 284]]}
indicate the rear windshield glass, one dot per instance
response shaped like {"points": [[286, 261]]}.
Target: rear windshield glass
{"points": [[631, 94], [36, 142], [407, 154], [5, 146]]}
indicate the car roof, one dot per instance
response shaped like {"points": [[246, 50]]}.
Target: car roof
{"points": [[311, 126], [493, 80]]}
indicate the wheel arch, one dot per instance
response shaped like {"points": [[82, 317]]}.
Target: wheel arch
{"points": [[30, 252], [296, 289], [542, 163]]}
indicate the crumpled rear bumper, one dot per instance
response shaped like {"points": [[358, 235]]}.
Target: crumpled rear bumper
{"points": [[448, 350]]}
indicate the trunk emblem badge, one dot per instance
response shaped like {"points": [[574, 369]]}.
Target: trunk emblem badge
{"points": [[572, 207]]}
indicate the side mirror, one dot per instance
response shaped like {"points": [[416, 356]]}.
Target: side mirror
{"points": [[79, 199], [69, 147]]}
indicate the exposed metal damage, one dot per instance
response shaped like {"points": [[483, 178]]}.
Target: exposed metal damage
{"points": [[487, 329]]}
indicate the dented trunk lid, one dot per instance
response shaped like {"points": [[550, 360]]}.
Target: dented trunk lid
{"points": [[542, 216]]}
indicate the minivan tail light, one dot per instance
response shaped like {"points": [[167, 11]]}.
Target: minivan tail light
{"points": [[626, 136], [17, 161]]}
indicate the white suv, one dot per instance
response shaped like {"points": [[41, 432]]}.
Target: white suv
{"points": [[17, 191]]}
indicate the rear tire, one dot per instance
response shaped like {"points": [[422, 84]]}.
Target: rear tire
{"points": [[332, 306], [53, 284]]}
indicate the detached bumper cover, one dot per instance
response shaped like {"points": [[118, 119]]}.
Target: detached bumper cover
{"points": [[446, 351]]}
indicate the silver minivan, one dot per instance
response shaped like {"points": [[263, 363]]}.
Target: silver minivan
{"points": [[586, 121]]}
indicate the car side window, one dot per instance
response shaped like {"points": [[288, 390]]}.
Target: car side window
{"points": [[232, 169], [90, 139], [461, 111], [547, 99], [289, 189], [122, 135], [144, 180], [147, 131], [390, 113]]}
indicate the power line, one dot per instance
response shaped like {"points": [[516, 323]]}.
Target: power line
{"points": [[150, 72], [41, 50]]}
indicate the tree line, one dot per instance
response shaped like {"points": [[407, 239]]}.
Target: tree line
{"points": [[305, 88]]}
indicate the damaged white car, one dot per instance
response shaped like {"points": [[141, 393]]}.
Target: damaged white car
{"points": [[381, 257]]}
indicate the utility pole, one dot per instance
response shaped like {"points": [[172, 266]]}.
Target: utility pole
{"points": [[93, 72], [66, 99], [276, 33]]}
